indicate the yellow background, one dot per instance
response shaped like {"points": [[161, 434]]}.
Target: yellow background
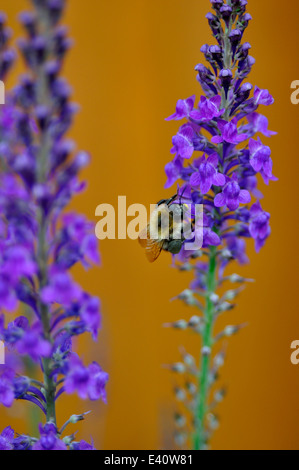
{"points": [[131, 61]]}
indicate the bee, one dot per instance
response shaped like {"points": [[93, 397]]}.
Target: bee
{"points": [[168, 236]]}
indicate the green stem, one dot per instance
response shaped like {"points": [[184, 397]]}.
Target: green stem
{"points": [[201, 410], [42, 254]]}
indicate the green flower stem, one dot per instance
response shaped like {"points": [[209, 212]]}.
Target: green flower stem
{"points": [[201, 409]]}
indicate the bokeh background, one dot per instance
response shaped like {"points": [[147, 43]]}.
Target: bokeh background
{"points": [[130, 63]]}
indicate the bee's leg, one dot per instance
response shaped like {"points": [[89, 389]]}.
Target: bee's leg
{"points": [[173, 198], [163, 201]]}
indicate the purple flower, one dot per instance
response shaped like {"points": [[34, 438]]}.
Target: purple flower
{"points": [[18, 263], [90, 314], [82, 445], [7, 439], [208, 109], [232, 195], [173, 171], [199, 283], [39, 240], [6, 387], [262, 97], [221, 179], [8, 300], [61, 289], [237, 248], [183, 142], [259, 123], [88, 382], [49, 439], [98, 381], [183, 109], [259, 226], [90, 249], [33, 344], [207, 174], [229, 133], [260, 159], [210, 238]]}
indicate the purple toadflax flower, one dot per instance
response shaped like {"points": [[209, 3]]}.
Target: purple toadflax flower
{"points": [[232, 195], [49, 439], [229, 133], [260, 159], [88, 382], [207, 174], [40, 240], [259, 227], [7, 439], [217, 160], [183, 109]]}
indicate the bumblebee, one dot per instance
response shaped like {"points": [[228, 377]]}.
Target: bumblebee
{"points": [[167, 223]]}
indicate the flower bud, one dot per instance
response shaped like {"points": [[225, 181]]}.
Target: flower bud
{"points": [[217, 4], [224, 307], [39, 46], [52, 69], [213, 422], [219, 360], [8, 58], [245, 67], [194, 321], [244, 21], [226, 77], [235, 37], [179, 439], [28, 20], [25, 165], [188, 360], [243, 51], [178, 367], [214, 298], [217, 55], [61, 43], [219, 395], [75, 418], [180, 420], [206, 351], [206, 79], [226, 12], [55, 9], [191, 388], [215, 26], [43, 117], [180, 394]]}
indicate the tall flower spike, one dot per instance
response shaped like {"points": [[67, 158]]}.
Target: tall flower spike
{"points": [[40, 240], [221, 173]]}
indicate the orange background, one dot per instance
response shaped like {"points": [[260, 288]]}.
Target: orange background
{"points": [[131, 62]]}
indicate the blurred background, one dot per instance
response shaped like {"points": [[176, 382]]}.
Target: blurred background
{"points": [[130, 63]]}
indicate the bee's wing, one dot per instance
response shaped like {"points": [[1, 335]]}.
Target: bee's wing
{"points": [[144, 236], [153, 249]]}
